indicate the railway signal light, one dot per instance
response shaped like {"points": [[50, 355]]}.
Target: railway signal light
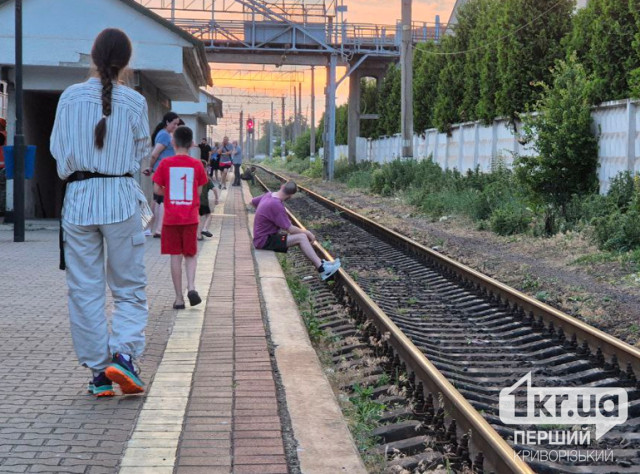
{"points": [[250, 125]]}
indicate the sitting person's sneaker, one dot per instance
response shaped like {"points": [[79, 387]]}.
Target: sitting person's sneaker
{"points": [[122, 372], [327, 269], [100, 386], [206, 233]]}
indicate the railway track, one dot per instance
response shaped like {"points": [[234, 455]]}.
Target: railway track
{"points": [[464, 337]]}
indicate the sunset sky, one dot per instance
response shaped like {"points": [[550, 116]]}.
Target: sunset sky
{"points": [[383, 12]]}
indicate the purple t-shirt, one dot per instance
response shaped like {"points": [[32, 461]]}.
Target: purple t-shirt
{"points": [[270, 218]]}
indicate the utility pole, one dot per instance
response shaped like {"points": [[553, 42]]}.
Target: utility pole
{"points": [[18, 139], [406, 64], [270, 144], [282, 135], [252, 138], [173, 11], [256, 138], [241, 129], [295, 114], [300, 108], [312, 143], [330, 119]]}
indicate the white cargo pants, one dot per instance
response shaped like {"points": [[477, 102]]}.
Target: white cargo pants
{"points": [[84, 249]]}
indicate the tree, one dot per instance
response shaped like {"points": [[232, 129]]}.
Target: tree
{"points": [[476, 14], [369, 105], [487, 61], [426, 69], [531, 33], [302, 146], [602, 36], [342, 117], [567, 158], [449, 91], [389, 102]]}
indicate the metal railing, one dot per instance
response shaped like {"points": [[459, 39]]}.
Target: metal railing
{"points": [[358, 37], [283, 26]]}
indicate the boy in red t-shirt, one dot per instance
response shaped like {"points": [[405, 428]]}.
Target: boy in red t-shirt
{"points": [[180, 179]]}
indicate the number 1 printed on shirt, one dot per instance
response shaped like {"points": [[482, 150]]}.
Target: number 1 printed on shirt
{"points": [[181, 185]]}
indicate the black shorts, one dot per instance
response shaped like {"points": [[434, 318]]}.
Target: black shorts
{"points": [[276, 242], [215, 164], [157, 198], [204, 210]]}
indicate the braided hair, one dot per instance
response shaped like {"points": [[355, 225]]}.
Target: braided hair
{"points": [[110, 53]]}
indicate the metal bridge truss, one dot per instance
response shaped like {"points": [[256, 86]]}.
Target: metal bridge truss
{"points": [[309, 32], [253, 26]]}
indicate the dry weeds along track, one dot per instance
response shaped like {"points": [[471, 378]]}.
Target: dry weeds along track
{"points": [[482, 336]]}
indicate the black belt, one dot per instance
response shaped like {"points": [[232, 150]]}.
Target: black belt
{"points": [[79, 176], [82, 175]]}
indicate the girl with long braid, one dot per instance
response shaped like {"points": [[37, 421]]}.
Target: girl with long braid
{"points": [[99, 138]]}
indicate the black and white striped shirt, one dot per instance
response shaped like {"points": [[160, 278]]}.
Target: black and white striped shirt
{"points": [[100, 201]]}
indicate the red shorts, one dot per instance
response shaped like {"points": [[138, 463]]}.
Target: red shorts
{"points": [[225, 165], [179, 240]]}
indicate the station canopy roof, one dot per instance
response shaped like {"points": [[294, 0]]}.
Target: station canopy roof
{"points": [[58, 35]]}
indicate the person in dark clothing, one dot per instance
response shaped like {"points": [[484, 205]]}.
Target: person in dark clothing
{"points": [[205, 150], [249, 175]]}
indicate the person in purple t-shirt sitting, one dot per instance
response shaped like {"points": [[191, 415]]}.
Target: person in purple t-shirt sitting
{"points": [[271, 218]]}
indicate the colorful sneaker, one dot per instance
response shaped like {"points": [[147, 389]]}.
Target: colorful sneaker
{"points": [[100, 386], [122, 372], [329, 268]]}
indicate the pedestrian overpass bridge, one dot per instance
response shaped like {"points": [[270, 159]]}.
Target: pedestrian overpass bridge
{"points": [[296, 32]]}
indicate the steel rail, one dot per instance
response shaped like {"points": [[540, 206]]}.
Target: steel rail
{"points": [[616, 350], [498, 455]]}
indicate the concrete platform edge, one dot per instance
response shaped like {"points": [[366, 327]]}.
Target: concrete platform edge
{"points": [[324, 441]]}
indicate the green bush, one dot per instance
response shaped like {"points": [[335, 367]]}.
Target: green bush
{"points": [[315, 169], [622, 190], [567, 160], [510, 219], [360, 179], [618, 231]]}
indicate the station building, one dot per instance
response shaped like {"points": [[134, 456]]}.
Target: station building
{"points": [[168, 66], [201, 115]]}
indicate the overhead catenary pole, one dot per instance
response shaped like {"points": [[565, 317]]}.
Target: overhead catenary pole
{"points": [[18, 140], [295, 114], [406, 65], [330, 119], [241, 129], [270, 144], [312, 140], [300, 109], [282, 134]]}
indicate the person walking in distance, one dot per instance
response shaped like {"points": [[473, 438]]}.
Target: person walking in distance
{"points": [[103, 214], [180, 179], [205, 150], [162, 149], [215, 162], [225, 152], [271, 219], [236, 158], [205, 209]]}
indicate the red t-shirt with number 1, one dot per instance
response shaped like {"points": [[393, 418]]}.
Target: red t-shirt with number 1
{"points": [[180, 176]]}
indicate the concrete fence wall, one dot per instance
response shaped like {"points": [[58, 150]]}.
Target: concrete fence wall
{"points": [[472, 144]]}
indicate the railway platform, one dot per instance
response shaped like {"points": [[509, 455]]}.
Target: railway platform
{"points": [[233, 384]]}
